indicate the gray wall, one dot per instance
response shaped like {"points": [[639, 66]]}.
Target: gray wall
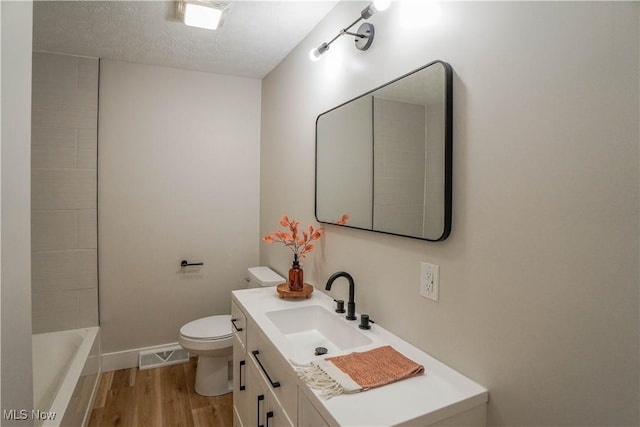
{"points": [[64, 132], [15, 361], [177, 179], [539, 279]]}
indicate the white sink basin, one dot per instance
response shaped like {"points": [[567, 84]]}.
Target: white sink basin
{"points": [[314, 326]]}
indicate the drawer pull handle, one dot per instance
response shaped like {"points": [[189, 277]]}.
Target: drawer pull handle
{"points": [[233, 322], [274, 384], [242, 386], [269, 416], [260, 400]]}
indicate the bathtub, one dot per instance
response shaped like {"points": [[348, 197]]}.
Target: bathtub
{"points": [[66, 369]]}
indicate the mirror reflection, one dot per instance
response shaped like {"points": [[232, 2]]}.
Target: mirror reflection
{"points": [[384, 158]]}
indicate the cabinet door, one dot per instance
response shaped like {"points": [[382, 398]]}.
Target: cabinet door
{"points": [[256, 398], [276, 415], [263, 410], [240, 394], [309, 416]]}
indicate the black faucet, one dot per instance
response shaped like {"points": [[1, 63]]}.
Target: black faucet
{"points": [[351, 305]]}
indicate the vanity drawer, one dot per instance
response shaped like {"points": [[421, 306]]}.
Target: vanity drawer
{"points": [[277, 373], [239, 324]]}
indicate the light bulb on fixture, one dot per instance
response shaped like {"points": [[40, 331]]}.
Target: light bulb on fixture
{"points": [[317, 52], [375, 7], [381, 5]]}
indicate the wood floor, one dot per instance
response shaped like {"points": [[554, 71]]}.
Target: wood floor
{"points": [[160, 397]]}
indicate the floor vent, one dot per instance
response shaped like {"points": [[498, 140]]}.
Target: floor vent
{"points": [[162, 357]]}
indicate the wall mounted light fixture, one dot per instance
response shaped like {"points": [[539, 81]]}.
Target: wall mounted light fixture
{"points": [[203, 13], [364, 34]]}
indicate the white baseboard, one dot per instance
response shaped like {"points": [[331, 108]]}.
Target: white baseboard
{"points": [[127, 358]]}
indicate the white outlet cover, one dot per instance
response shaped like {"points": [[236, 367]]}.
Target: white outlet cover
{"points": [[429, 280]]}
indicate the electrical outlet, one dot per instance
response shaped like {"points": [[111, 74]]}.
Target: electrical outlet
{"points": [[429, 280]]}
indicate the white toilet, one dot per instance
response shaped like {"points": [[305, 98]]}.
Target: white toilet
{"points": [[211, 338]]}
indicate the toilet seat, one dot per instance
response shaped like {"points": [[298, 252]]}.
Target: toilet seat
{"points": [[212, 328]]}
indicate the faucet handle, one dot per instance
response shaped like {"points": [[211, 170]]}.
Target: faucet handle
{"points": [[364, 322], [339, 306]]}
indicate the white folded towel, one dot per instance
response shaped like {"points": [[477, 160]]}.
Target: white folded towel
{"points": [[325, 376]]}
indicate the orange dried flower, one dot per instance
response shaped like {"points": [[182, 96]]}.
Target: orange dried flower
{"points": [[343, 219], [299, 246]]}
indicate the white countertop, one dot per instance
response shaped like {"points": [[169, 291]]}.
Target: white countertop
{"points": [[438, 394]]}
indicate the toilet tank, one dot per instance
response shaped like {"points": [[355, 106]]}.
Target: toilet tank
{"points": [[263, 276]]}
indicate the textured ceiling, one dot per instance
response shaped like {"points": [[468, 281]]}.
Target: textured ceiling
{"points": [[255, 37]]}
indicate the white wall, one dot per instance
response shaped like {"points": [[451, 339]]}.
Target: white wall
{"points": [[178, 174], [539, 278], [16, 370]]}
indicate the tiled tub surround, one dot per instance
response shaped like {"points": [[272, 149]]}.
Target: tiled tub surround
{"points": [[399, 140], [400, 130], [64, 192]]}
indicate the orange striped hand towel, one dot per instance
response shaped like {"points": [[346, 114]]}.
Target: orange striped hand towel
{"points": [[356, 372]]}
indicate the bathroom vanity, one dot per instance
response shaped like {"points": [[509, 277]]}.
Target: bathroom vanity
{"points": [[270, 333]]}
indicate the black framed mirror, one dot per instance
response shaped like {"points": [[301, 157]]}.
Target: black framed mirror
{"points": [[385, 157]]}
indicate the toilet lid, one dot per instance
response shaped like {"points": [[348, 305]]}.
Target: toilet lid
{"points": [[212, 328]]}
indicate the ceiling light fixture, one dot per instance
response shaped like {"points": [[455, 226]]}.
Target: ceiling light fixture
{"points": [[364, 34], [202, 13]]}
